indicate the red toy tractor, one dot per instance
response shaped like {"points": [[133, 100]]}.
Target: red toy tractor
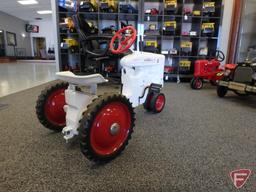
{"points": [[208, 70]]}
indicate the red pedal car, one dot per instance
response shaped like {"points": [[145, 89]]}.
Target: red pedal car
{"points": [[209, 70]]}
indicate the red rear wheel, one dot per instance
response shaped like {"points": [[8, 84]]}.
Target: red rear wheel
{"points": [[198, 83], [49, 107], [106, 127], [53, 107]]}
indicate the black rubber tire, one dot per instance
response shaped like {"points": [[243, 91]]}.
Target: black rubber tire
{"points": [[194, 84], [213, 83], [146, 104], [222, 91], [42, 98], [85, 127], [153, 103]]}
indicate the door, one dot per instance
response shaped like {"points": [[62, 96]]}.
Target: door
{"points": [[247, 33], [2, 44], [39, 47]]}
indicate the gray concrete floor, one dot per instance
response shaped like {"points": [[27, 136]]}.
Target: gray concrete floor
{"points": [[190, 147], [21, 75]]}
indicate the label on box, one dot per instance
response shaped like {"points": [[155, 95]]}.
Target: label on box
{"points": [[186, 44], [185, 63], [170, 24], [208, 25], [209, 4], [151, 43]]}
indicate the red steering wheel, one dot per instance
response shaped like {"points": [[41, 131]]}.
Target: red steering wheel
{"points": [[124, 41]]}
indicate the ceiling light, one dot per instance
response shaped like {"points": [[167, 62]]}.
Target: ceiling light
{"points": [[27, 2], [1, 31], [44, 12]]}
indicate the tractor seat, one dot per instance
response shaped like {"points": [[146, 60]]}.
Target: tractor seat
{"points": [[85, 80], [230, 66]]}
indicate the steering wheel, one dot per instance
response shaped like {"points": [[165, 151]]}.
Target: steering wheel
{"points": [[219, 55], [124, 41]]}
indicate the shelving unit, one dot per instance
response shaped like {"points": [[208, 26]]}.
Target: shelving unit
{"points": [[75, 59], [141, 21], [194, 23]]}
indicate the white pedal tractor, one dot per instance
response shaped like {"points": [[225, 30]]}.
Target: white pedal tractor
{"points": [[104, 123]]}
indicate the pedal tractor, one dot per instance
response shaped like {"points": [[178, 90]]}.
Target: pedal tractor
{"points": [[208, 70], [104, 123], [240, 78]]}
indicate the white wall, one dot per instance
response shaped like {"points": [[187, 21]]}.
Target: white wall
{"points": [[15, 25], [46, 30], [225, 27]]}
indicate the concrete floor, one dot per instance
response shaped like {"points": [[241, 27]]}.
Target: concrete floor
{"points": [[22, 75], [190, 147]]}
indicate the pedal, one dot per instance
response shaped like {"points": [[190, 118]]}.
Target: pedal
{"points": [[69, 133]]}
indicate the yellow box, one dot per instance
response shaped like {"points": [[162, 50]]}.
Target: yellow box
{"points": [[170, 24], [186, 44], [185, 63], [151, 43], [208, 25], [71, 42], [171, 3], [196, 13], [209, 4]]}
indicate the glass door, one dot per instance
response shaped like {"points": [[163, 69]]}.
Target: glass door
{"points": [[2, 44], [247, 33]]}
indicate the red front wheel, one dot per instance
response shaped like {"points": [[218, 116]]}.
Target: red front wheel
{"points": [[157, 102], [106, 127]]}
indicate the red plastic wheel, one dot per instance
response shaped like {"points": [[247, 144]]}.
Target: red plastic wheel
{"points": [[110, 128], [106, 127], [160, 102], [198, 83], [157, 102], [49, 106], [53, 108]]}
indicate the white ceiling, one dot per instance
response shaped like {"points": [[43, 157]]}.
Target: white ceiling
{"points": [[25, 12]]}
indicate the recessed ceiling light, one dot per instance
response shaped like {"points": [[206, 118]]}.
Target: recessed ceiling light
{"points": [[44, 12], [27, 2]]}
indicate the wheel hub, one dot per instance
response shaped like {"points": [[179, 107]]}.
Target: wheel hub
{"points": [[114, 129]]}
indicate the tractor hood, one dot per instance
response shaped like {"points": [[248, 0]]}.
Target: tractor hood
{"points": [[142, 59]]}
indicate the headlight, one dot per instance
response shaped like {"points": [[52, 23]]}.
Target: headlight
{"points": [[227, 72]]}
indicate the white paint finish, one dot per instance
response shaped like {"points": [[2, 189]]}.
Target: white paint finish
{"points": [[139, 70], [25, 12], [17, 26], [225, 27], [15, 77], [46, 30]]}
